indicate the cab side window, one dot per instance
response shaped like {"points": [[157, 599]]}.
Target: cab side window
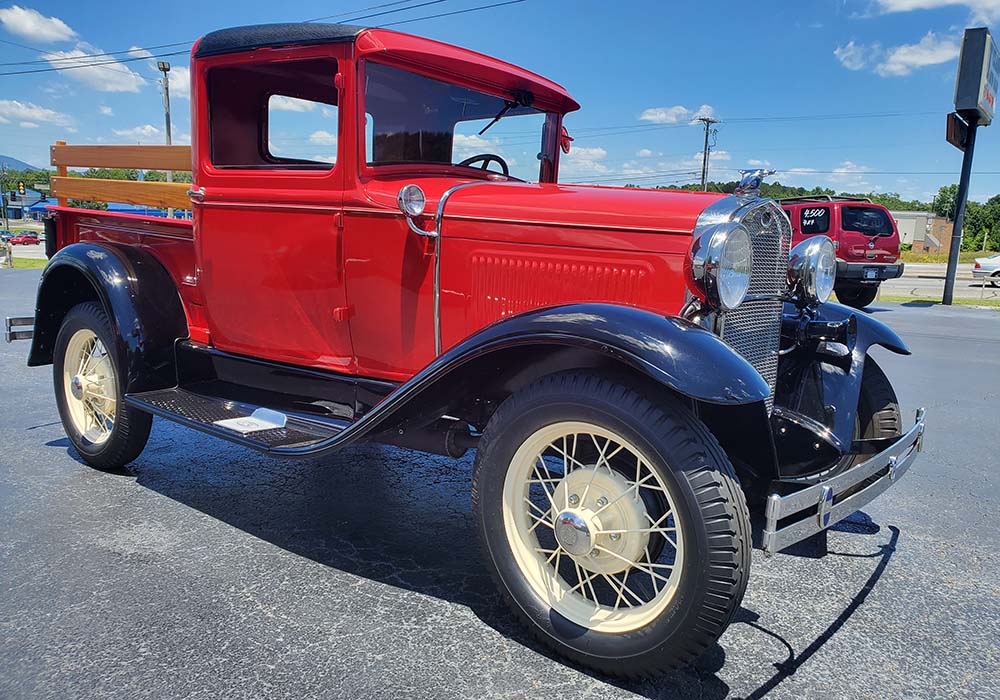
{"points": [[815, 220], [274, 115]]}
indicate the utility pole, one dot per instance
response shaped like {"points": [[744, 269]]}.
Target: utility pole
{"points": [[164, 67], [3, 195], [707, 121]]}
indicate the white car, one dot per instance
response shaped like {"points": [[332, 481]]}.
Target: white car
{"points": [[988, 269]]}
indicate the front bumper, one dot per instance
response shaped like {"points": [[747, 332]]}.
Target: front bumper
{"points": [[869, 273], [12, 322], [795, 516]]}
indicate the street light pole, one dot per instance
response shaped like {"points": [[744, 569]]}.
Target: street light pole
{"points": [[707, 121], [164, 67]]}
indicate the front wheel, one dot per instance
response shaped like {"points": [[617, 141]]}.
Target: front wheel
{"points": [[613, 523], [90, 391], [857, 297]]}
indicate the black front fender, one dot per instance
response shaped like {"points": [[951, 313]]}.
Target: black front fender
{"points": [[139, 296], [816, 398], [674, 352]]}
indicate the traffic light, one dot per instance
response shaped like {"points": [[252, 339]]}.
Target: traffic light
{"points": [[20, 188]]}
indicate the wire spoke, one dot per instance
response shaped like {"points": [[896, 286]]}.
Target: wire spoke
{"points": [[541, 480], [642, 566]]}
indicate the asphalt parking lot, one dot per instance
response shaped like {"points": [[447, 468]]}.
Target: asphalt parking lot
{"points": [[209, 571]]}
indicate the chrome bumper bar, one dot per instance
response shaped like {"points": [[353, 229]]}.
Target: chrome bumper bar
{"points": [[888, 465], [12, 322]]}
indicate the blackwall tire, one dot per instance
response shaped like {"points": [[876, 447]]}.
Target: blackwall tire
{"points": [[89, 390], [857, 297], [657, 628]]}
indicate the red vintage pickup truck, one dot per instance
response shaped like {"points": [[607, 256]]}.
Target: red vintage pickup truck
{"points": [[638, 371]]}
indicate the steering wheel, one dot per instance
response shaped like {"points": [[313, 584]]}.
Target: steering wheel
{"points": [[488, 158]]}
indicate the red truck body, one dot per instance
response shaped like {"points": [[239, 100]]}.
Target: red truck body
{"points": [[637, 369]]}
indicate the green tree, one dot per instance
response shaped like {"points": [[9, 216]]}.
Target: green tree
{"points": [[944, 202]]}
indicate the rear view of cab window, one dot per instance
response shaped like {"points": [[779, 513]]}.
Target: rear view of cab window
{"points": [[867, 220], [815, 220]]}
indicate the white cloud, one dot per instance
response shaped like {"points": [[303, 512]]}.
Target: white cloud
{"points": [[583, 161], [324, 158], [28, 125], [852, 56], [290, 104], [678, 114], [102, 73], [468, 145], [139, 52], [324, 138], [105, 110], [31, 24], [180, 82], [644, 153], [666, 115], [28, 112], [754, 163], [983, 11], [929, 51], [146, 132]]}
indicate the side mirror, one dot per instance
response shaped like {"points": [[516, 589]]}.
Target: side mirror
{"points": [[565, 140]]}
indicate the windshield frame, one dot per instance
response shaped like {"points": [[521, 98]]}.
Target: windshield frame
{"points": [[548, 137]]}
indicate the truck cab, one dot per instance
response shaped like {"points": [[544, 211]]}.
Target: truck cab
{"points": [[379, 250], [864, 235]]}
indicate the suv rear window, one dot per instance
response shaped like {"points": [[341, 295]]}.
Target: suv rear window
{"points": [[815, 220], [866, 220]]}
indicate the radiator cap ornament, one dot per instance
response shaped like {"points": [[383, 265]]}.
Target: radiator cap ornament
{"points": [[750, 182]]}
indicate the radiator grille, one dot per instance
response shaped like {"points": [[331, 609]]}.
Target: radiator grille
{"points": [[754, 328]]}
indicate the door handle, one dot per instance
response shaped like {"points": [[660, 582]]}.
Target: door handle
{"points": [[197, 194]]}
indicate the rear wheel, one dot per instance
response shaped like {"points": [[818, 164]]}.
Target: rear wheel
{"points": [[90, 392], [614, 524], [857, 296], [995, 279]]}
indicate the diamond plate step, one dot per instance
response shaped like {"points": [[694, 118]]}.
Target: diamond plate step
{"points": [[200, 412]]}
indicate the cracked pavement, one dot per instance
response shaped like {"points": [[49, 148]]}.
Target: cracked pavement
{"points": [[210, 571]]}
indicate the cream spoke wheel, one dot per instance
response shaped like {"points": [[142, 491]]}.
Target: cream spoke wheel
{"points": [[90, 387], [591, 524]]}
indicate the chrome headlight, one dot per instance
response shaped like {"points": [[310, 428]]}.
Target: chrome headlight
{"points": [[812, 269], [721, 262], [411, 200]]}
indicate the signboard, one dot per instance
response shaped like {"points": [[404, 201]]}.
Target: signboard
{"points": [[978, 75], [956, 131]]}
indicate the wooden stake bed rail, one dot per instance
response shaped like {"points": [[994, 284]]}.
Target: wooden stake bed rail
{"points": [[158, 194]]}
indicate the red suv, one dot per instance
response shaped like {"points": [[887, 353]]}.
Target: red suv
{"points": [[864, 236]]}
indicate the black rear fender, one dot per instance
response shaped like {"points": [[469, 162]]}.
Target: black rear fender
{"points": [[139, 296]]}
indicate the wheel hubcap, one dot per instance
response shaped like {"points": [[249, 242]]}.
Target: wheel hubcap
{"points": [[573, 533], [590, 524]]}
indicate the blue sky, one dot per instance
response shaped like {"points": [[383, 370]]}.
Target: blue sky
{"points": [[641, 69]]}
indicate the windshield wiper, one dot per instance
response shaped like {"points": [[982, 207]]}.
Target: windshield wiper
{"points": [[508, 105]]}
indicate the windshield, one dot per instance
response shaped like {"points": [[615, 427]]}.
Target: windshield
{"points": [[867, 220], [413, 119]]}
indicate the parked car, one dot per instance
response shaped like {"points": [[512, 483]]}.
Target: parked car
{"points": [[5, 235], [988, 268], [637, 371], [864, 235], [25, 238]]}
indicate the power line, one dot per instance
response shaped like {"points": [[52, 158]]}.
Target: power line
{"points": [[454, 12], [82, 61], [89, 55], [378, 14], [94, 64]]}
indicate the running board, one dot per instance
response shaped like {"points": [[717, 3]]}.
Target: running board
{"points": [[257, 427]]}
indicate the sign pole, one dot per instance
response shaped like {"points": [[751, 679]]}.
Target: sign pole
{"points": [[960, 200]]}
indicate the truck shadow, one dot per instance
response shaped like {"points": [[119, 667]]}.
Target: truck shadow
{"points": [[402, 518]]}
